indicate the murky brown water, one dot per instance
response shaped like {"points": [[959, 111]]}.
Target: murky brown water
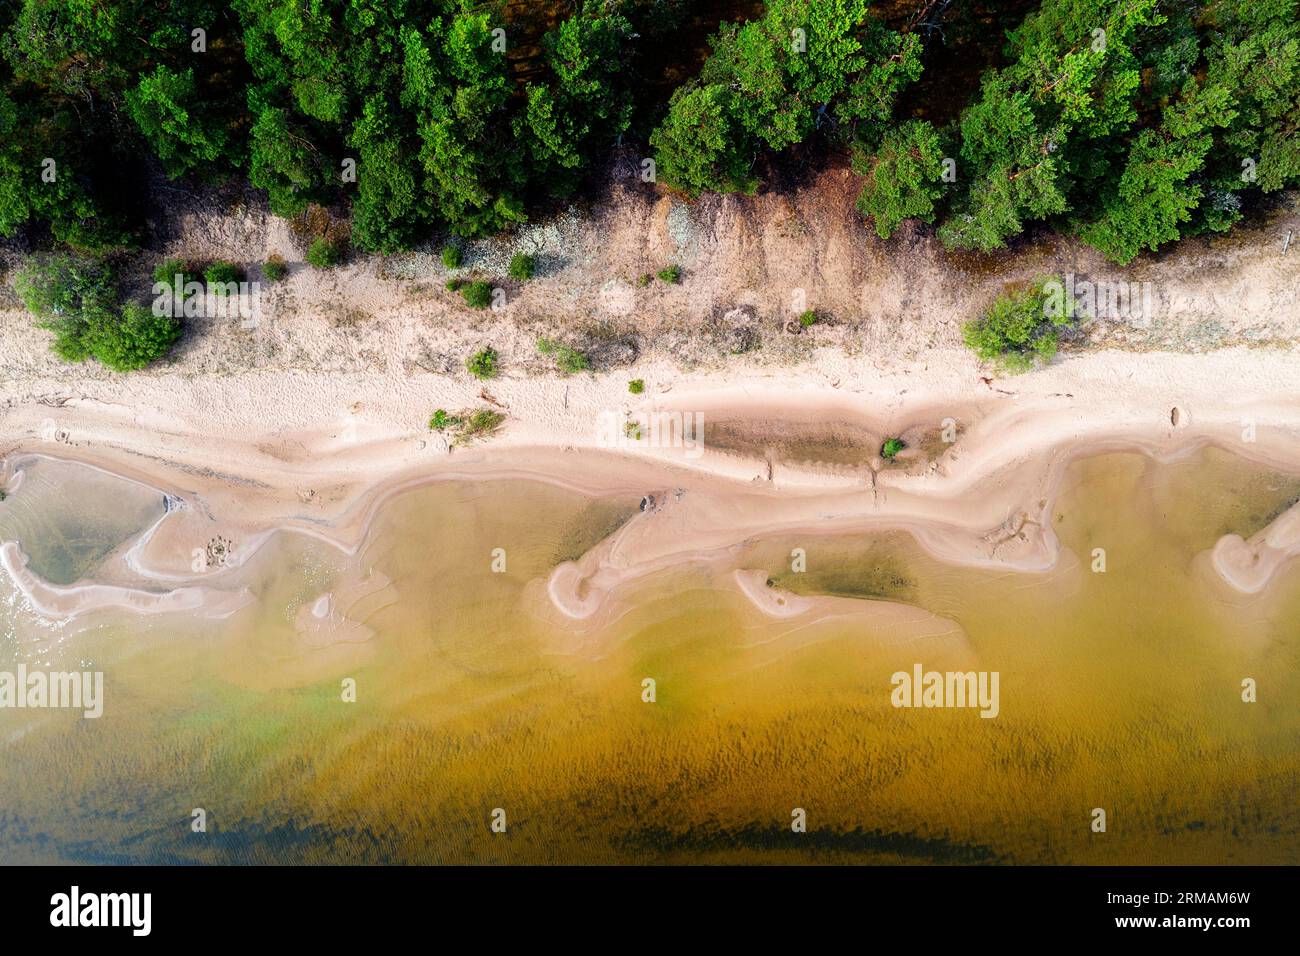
{"points": [[1119, 690]]}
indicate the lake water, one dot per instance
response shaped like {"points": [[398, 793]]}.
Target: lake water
{"points": [[1118, 690]]}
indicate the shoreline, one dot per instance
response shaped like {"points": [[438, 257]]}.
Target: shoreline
{"points": [[977, 500]]}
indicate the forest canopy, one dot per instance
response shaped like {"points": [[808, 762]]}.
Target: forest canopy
{"points": [[1129, 123]]}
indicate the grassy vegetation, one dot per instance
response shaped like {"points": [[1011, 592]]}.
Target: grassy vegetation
{"points": [[569, 360], [275, 269], [477, 295], [522, 267], [451, 257], [324, 254], [636, 386], [467, 426], [483, 363], [671, 274], [891, 447], [808, 318]]}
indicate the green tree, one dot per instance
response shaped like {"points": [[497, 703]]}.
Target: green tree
{"points": [[773, 81], [1040, 124], [700, 145], [285, 162], [390, 212], [587, 106], [1231, 130], [15, 200], [904, 179], [459, 87], [165, 107]]}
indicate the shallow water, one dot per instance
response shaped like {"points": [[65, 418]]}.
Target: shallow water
{"points": [[70, 517], [1119, 690]]}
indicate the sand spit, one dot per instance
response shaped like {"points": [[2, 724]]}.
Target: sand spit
{"points": [[1248, 565], [903, 623], [254, 455], [64, 603]]}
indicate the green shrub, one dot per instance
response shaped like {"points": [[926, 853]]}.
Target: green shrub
{"points": [[479, 424], [131, 340], [65, 286], [1019, 329], [521, 267], [483, 364], [671, 274], [808, 318], [453, 285], [451, 257], [274, 269], [76, 299], [324, 254], [892, 447], [220, 274], [636, 386], [466, 426], [165, 273], [477, 295], [569, 360]]}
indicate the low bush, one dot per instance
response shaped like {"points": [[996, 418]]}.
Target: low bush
{"points": [[275, 269], [483, 364], [569, 360], [521, 267], [324, 254], [477, 295], [168, 271], [1019, 330], [220, 274]]}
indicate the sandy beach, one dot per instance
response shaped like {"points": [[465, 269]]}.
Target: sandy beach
{"points": [[241, 464], [312, 418]]}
